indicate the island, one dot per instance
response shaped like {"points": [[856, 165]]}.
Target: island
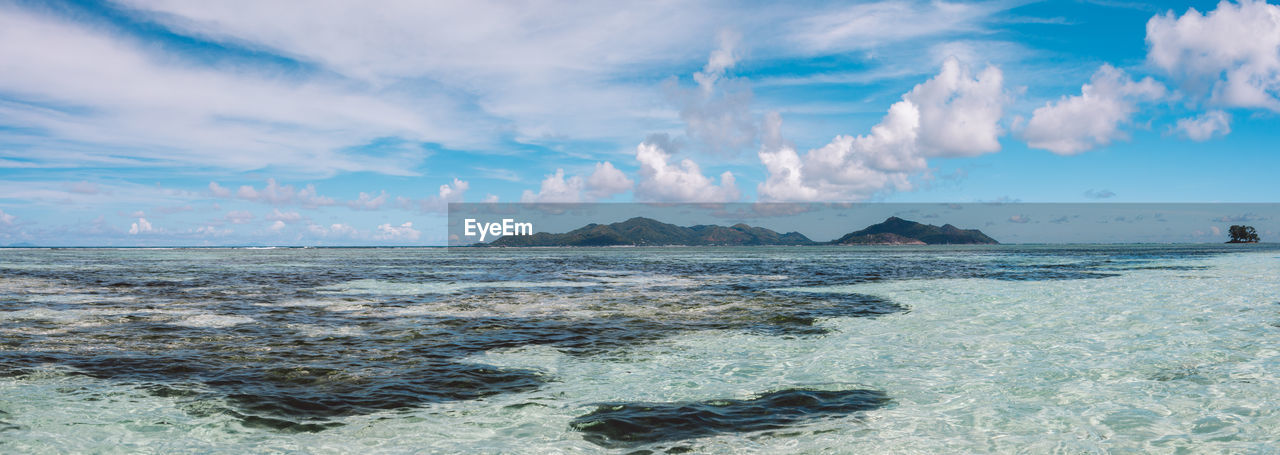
{"points": [[897, 231], [1243, 234], [641, 231]]}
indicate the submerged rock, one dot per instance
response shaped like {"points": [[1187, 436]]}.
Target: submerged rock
{"points": [[616, 425]]}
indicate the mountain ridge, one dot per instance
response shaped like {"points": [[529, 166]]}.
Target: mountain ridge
{"points": [[905, 230], [641, 231]]}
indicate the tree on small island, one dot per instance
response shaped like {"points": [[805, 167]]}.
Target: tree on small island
{"points": [[1242, 234]]}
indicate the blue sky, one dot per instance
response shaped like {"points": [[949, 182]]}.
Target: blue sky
{"points": [[207, 123]]}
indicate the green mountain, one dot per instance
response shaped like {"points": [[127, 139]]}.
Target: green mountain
{"points": [[897, 231], [641, 231]]}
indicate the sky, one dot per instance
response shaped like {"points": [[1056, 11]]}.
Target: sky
{"points": [[145, 123]]}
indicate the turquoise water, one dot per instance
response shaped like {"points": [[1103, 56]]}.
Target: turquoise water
{"points": [[1040, 349]]}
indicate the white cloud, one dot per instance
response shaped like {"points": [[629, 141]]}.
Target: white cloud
{"points": [[6, 219], [661, 181], [1079, 123], [490, 198], [1205, 126], [239, 217], [218, 190], [872, 24], [342, 230], [167, 110], [290, 217], [959, 113], [1230, 54], [142, 226], [717, 114], [449, 192], [212, 231], [276, 194], [277, 226], [605, 181], [334, 230], [367, 201], [402, 232], [446, 72], [549, 75], [721, 60], [556, 189], [951, 114]]}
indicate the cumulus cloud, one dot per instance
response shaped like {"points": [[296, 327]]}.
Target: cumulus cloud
{"points": [[959, 114], [277, 226], [660, 180], [402, 232], [952, 114], [721, 60], [449, 192], [1079, 123], [1019, 219], [556, 189], [1230, 55], [717, 114], [1205, 126], [277, 194], [367, 201], [605, 181], [239, 216], [333, 230], [218, 190], [274, 193], [142, 226], [7, 219], [288, 217]]}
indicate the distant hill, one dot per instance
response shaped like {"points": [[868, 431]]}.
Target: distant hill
{"points": [[640, 231], [897, 231]]}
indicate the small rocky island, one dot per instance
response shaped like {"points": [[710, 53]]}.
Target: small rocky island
{"points": [[640, 231]]}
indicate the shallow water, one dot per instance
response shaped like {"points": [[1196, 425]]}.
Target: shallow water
{"points": [[812, 349]]}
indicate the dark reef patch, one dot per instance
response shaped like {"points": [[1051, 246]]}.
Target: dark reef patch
{"points": [[620, 425]]}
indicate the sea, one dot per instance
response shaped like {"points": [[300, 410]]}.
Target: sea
{"points": [[814, 349]]}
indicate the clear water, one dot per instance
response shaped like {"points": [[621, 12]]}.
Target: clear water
{"points": [[1040, 349]]}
